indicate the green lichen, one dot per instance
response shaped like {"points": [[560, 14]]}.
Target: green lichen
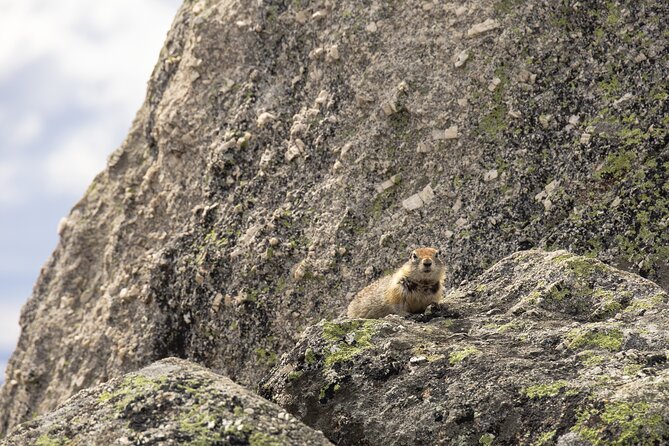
{"points": [[265, 357], [584, 267], [261, 439], [295, 375], [511, 326], [45, 440], [606, 339], [609, 304], [621, 423], [616, 165], [347, 339], [309, 356], [130, 389], [458, 356], [195, 423], [486, 439], [544, 390], [631, 369], [647, 303], [544, 438], [590, 358]]}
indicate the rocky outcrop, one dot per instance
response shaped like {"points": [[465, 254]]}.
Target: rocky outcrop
{"points": [[288, 152], [548, 348], [170, 402]]}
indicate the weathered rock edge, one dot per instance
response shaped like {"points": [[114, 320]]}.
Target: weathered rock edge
{"points": [[550, 348], [170, 402]]}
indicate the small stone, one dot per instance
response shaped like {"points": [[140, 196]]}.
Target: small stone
{"points": [[461, 58], [460, 222], [301, 17], [461, 10], [298, 129], [369, 271], [345, 149], [395, 179], [333, 53], [341, 250], [640, 58], [463, 102], [412, 203], [490, 175], [482, 27], [515, 114], [494, 83], [545, 120], [550, 187], [585, 138], [187, 318], [62, 225], [319, 15], [265, 118], [626, 97], [249, 411], [388, 108], [216, 304], [524, 76], [417, 360], [448, 234], [372, 28], [423, 148], [337, 166], [123, 293], [457, 205], [199, 279], [322, 97], [383, 239], [273, 241], [243, 141], [427, 194], [573, 119], [451, 132], [616, 202], [548, 204], [316, 53]]}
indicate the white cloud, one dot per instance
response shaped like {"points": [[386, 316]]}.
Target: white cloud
{"points": [[84, 57], [9, 321], [73, 164], [10, 192], [28, 129], [3, 366]]}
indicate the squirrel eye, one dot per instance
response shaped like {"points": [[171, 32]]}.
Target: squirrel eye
{"points": [[438, 253], [414, 256]]}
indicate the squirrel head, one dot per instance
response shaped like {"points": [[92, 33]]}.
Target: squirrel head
{"points": [[425, 265]]}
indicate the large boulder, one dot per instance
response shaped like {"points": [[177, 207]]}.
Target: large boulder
{"points": [[547, 348], [288, 152], [170, 402]]}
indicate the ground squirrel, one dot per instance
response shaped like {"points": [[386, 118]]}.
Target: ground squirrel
{"points": [[417, 284]]}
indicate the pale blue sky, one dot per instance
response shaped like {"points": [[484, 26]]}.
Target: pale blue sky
{"points": [[72, 75]]}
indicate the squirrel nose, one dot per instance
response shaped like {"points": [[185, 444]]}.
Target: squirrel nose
{"points": [[427, 262]]}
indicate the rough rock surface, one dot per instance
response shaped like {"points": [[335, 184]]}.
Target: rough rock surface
{"points": [[170, 402], [244, 204], [548, 348]]}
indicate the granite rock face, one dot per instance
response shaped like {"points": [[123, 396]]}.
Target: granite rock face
{"points": [[170, 402], [543, 348], [289, 152]]}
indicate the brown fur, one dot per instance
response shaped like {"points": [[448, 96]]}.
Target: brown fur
{"points": [[409, 290]]}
